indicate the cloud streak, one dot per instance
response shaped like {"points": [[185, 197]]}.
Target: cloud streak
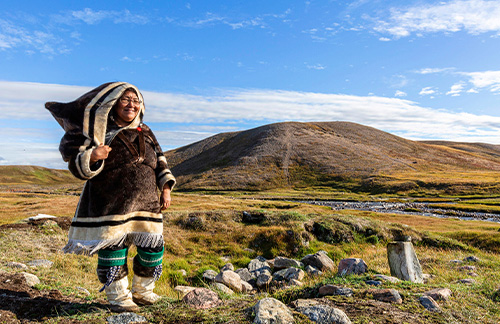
{"points": [[472, 16]]}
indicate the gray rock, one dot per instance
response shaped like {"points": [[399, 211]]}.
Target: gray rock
{"points": [[283, 263], [439, 293], [387, 278], [40, 263], [403, 262], [456, 261], [125, 318], [227, 266], [351, 266], [31, 279], [313, 271], [373, 282], [230, 279], [319, 260], [288, 274], [471, 258], [209, 275], [386, 295], [183, 290], [245, 275], [257, 265], [324, 314], [246, 287], [17, 265], [467, 268], [222, 288], [264, 280], [429, 304], [332, 290], [467, 281], [202, 298], [272, 311]]}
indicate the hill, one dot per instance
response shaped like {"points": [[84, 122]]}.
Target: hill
{"points": [[30, 177], [296, 154]]}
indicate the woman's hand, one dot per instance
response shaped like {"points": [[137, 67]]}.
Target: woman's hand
{"points": [[99, 153], [165, 199]]}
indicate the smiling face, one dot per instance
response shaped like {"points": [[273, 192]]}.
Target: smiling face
{"points": [[126, 108]]}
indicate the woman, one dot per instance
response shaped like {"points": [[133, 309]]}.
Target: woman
{"points": [[107, 144]]}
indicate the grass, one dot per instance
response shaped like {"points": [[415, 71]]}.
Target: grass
{"points": [[222, 237]]}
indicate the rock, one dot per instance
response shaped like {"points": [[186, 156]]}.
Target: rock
{"points": [[288, 274], [230, 279], [373, 282], [125, 318], [319, 260], [386, 295], [351, 266], [283, 263], [294, 282], [324, 314], [467, 281], [472, 274], [387, 278], [183, 290], [467, 268], [257, 265], [83, 290], [471, 259], [253, 217], [313, 271], [403, 262], [427, 277], [40, 216], [439, 293], [429, 304], [209, 275], [31, 279], [456, 261], [182, 272], [202, 298], [225, 258], [227, 266], [222, 288], [332, 290], [246, 287], [264, 280], [272, 311], [17, 265], [40, 263], [244, 274]]}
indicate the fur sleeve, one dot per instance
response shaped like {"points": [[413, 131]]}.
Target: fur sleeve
{"points": [[163, 173]]}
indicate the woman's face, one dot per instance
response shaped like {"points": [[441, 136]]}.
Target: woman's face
{"points": [[127, 108]]}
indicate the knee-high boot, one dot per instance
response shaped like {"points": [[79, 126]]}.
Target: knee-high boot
{"points": [[119, 297]]}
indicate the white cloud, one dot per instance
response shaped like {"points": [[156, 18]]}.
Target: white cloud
{"points": [[315, 66], [456, 89], [471, 16], [427, 91], [92, 17], [400, 93], [486, 79], [433, 70], [229, 110]]}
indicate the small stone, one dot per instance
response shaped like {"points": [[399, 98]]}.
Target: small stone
{"points": [[258, 265], [83, 290], [247, 288], [319, 260], [40, 263], [471, 258], [472, 274], [17, 265], [386, 295], [373, 282], [456, 261], [230, 279], [467, 268], [312, 271], [439, 293], [227, 266], [31, 279], [126, 318], [319, 313], [332, 290], [209, 275], [387, 278], [427, 277], [264, 280], [244, 274], [467, 281], [283, 263], [182, 272], [429, 303], [222, 288], [183, 290]]}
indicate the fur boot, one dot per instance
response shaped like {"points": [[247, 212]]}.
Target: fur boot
{"points": [[142, 290], [120, 297]]}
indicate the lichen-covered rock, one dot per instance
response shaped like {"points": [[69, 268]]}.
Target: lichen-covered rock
{"points": [[323, 314], [283, 263], [222, 288], [125, 318], [288, 274], [183, 290], [209, 275], [227, 266], [403, 262], [31, 279], [351, 266], [264, 280], [230, 279], [272, 311], [245, 274], [202, 298]]}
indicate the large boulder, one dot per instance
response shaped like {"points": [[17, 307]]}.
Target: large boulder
{"points": [[351, 266], [403, 261]]}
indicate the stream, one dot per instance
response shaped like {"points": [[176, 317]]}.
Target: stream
{"points": [[408, 208]]}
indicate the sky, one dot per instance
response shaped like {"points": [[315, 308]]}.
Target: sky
{"points": [[422, 70]]}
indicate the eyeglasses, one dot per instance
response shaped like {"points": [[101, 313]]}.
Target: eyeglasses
{"points": [[127, 100]]}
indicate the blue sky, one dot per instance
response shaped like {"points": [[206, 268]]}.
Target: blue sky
{"points": [[420, 70]]}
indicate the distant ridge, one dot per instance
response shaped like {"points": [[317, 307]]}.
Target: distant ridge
{"points": [[295, 154]]}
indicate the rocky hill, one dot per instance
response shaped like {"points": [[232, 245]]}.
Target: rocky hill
{"points": [[296, 154]]}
